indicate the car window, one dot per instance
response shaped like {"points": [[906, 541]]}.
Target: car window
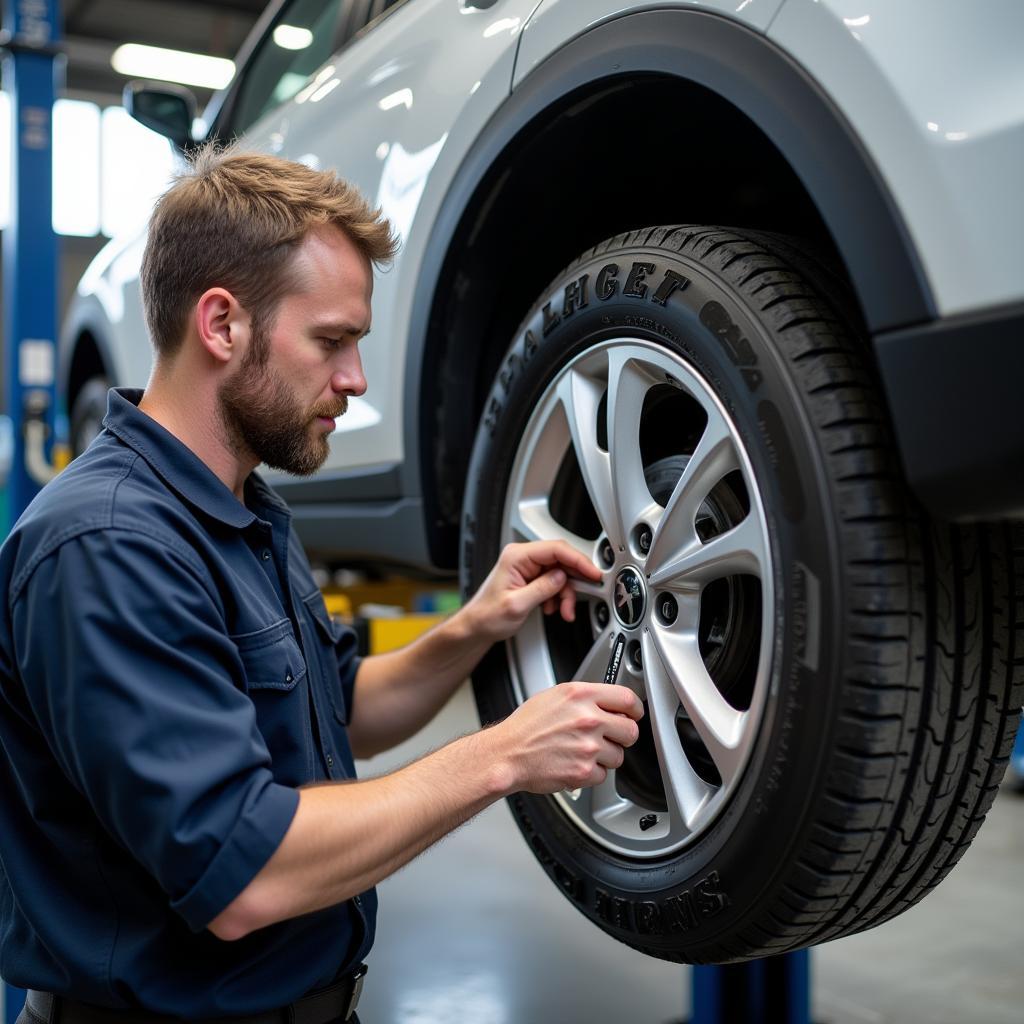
{"points": [[303, 37]]}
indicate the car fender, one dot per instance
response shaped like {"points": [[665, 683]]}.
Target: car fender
{"points": [[755, 75], [937, 104]]}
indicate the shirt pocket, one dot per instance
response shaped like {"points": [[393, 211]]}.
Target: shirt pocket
{"points": [[274, 668], [327, 635]]}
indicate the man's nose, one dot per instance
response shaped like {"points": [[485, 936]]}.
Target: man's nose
{"points": [[348, 378]]}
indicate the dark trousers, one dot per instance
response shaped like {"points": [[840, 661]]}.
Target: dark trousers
{"points": [[119, 1016]]}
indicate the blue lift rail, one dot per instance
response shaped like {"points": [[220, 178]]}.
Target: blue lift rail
{"points": [[31, 66], [774, 990]]}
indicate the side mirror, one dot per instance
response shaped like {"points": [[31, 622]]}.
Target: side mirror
{"points": [[167, 109]]}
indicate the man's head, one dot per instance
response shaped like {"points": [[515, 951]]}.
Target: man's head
{"points": [[243, 238]]}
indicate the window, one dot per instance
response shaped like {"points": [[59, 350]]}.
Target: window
{"points": [[302, 38], [107, 168]]}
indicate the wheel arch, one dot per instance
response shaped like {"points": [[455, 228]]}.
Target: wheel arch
{"points": [[86, 357], [657, 117]]}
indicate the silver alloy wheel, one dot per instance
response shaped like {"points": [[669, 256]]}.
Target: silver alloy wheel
{"points": [[659, 547]]}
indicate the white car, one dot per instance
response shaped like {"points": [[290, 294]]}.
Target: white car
{"points": [[730, 295]]}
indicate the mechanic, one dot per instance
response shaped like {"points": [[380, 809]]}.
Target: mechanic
{"points": [[183, 835]]}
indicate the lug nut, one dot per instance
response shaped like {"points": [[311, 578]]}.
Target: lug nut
{"points": [[667, 609], [601, 613], [644, 539], [606, 554]]}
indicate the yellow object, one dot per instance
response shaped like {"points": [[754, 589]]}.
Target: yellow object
{"points": [[338, 605], [61, 456], [390, 634]]}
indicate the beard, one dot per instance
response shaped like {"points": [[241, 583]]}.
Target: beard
{"points": [[262, 417]]}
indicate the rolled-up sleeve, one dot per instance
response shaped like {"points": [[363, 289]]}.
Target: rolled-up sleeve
{"points": [[139, 692]]}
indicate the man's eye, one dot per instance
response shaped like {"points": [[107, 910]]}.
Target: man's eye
{"points": [[331, 342]]}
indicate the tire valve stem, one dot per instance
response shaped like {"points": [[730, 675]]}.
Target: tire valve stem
{"points": [[648, 821]]}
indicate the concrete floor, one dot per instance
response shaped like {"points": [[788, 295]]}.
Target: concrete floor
{"points": [[473, 932]]}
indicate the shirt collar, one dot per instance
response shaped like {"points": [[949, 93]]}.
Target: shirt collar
{"points": [[180, 467]]}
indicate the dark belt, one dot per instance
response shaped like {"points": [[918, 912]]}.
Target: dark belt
{"points": [[336, 1003]]}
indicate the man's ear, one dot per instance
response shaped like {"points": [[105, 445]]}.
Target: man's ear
{"points": [[222, 325]]}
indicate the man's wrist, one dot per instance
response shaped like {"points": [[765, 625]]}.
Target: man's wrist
{"points": [[501, 778], [468, 631]]}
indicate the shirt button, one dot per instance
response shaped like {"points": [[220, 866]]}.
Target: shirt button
{"points": [[265, 555], [288, 678], [330, 761], [357, 901]]}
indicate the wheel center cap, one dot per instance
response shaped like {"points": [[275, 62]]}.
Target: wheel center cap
{"points": [[630, 597]]}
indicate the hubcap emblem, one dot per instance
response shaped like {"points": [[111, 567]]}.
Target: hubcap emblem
{"points": [[630, 598]]}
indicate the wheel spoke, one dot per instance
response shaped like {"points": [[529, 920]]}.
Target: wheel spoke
{"points": [[628, 385], [685, 792], [601, 801], [581, 396], [586, 588], [533, 661], [739, 550], [719, 725], [531, 519], [712, 459]]}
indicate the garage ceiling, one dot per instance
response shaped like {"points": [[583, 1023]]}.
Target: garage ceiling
{"points": [[93, 29]]}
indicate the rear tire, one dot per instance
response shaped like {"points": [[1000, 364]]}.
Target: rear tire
{"points": [[883, 720], [87, 412]]}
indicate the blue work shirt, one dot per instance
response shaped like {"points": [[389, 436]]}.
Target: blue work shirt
{"points": [[168, 676]]}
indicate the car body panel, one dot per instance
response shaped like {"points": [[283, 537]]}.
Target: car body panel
{"points": [[937, 100], [108, 306], [555, 22]]}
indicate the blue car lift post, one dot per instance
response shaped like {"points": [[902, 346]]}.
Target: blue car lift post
{"points": [[31, 65]]}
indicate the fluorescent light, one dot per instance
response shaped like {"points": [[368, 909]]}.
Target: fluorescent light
{"points": [[136, 168], [138, 61], [76, 168], [291, 37], [5, 160]]}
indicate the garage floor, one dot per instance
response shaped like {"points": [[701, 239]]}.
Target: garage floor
{"points": [[474, 933]]}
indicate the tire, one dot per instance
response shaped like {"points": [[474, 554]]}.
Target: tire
{"points": [[833, 698], [87, 412]]}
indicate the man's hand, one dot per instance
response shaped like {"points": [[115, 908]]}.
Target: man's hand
{"points": [[569, 736], [524, 577]]}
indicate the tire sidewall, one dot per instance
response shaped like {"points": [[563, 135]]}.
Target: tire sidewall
{"points": [[713, 885]]}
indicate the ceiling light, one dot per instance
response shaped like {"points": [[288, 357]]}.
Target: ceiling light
{"points": [[291, 37], [138, 61]]}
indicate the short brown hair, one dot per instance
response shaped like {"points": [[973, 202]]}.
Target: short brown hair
{"points": [[234, 219]]}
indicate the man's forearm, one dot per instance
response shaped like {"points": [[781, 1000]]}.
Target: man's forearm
{"points": [[347, 837], [398, 693]]}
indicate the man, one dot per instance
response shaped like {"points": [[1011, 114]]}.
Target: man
{"points": [[182, 829]]}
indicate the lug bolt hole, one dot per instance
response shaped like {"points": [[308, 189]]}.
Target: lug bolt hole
{"points": [[642, 538], [633, 654], [668, 610], [606, 554], [601, 614]]}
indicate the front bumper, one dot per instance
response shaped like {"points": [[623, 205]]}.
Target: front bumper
{"points": [[956, 395]]}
